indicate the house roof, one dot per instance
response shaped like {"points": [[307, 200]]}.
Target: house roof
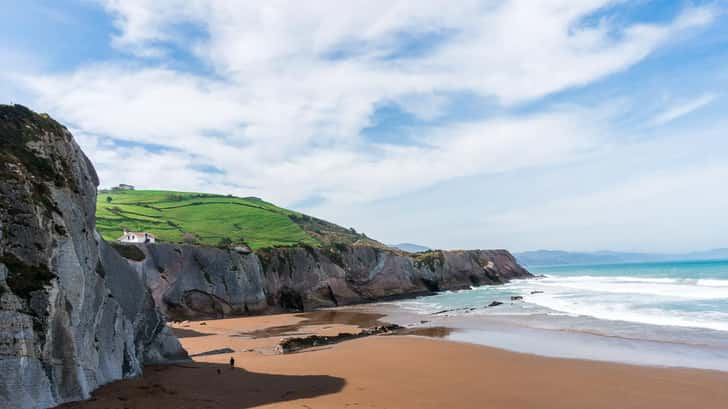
{"points": [[137, 233]]}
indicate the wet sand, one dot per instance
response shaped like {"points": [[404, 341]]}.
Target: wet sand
{"points": [[390, 371]]}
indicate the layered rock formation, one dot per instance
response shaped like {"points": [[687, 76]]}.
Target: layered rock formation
{"points": [[191, 282], [73, 314]]}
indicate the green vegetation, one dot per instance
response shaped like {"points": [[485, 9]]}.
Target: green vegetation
{"points": [[20, 126], [214, 220], [22, 278], [432, 259]]}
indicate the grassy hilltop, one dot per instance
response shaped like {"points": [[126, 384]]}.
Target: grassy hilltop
{"points": [[214, 220]]}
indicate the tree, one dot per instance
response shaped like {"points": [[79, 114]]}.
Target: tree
{"points": [[108, 199]]}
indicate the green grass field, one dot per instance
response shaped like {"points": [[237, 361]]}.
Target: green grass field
{"points": [[213, 218]]}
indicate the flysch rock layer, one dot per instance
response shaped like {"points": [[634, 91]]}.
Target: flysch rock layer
{"points": [[196, 282], [73, 314]]}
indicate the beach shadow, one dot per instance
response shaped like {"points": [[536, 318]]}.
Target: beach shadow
{"points": [[205, 385], [187, 333]]}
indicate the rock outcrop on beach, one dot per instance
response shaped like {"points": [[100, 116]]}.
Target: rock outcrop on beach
{"points": [[73, 314], [191, 282]]}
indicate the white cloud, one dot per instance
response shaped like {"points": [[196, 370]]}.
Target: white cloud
{"points": [[681, 109], [670, 209], [661, 194], [137, 166], [291, 85], [282, 117]]}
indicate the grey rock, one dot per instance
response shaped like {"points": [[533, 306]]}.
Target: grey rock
{"points": [[197, 282], [73, 314]]}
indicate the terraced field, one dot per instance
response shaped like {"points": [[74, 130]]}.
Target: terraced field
{"points": [[213, 220]]}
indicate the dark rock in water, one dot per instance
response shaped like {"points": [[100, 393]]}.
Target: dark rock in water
{"points": [[495, 304], [465, 309], [536, 292], [197, 282], [296, 344], [73, 314], [516, 297]]}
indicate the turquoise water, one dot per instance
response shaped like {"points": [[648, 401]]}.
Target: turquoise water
{"points": [[679, 293], [713, 269], [671, 314], [676, 294]]}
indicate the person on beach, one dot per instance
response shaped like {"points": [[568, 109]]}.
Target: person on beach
{"points": [[232, 362]]}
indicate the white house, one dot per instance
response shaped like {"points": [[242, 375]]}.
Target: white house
{"points": [[137, 237], [123, 186]]}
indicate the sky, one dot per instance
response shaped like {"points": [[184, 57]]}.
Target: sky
{"points": [[521, 124]]}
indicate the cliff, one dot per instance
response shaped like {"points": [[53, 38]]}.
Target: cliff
{"points": [[76, 313], [195, 282], [73, 314]]}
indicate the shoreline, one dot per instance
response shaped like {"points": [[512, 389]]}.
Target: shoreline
{"points": [[583, 338], [394, 371]]}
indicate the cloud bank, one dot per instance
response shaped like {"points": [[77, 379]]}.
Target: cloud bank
{"points": [[275, 99]]}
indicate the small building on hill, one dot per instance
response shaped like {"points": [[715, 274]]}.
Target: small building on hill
{"points": [[123, 186], [137, 237]]}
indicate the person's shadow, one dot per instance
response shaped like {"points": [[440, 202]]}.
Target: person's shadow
{"points": [[204, 385]]}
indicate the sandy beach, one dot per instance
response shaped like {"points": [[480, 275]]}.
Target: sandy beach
{"points": [[389, 371]]}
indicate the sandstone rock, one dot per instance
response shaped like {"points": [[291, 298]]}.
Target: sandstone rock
{"points": [[73, 315]]}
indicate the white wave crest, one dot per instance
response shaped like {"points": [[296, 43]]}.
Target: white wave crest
{"points": [[679, 288]]}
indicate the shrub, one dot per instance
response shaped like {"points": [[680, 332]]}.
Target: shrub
{"points": [[189, 238], [225, 242], [174, 197]]}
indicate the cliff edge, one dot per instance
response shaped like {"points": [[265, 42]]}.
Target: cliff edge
{"points": [[196, 282], [73, 314]]}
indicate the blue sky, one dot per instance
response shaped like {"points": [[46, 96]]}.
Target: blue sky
{"points": [[578, 125]]}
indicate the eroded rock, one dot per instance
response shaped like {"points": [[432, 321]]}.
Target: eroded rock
{"points": [[73, 315], [197, 282], [294, 344]]}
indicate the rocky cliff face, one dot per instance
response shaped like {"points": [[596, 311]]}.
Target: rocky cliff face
{"points": [[190, 282], [73, 314]]}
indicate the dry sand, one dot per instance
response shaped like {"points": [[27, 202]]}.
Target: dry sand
{"points": [[391, 372]]}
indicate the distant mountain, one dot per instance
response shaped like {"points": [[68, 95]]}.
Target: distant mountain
{"points": [[409, 247], [715, 254], [556, 257]]}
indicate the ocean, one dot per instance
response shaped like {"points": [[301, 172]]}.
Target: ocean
{"points": [[662, 313]]}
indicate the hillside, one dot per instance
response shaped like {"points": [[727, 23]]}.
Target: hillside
{"points": [[214, 220]]}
